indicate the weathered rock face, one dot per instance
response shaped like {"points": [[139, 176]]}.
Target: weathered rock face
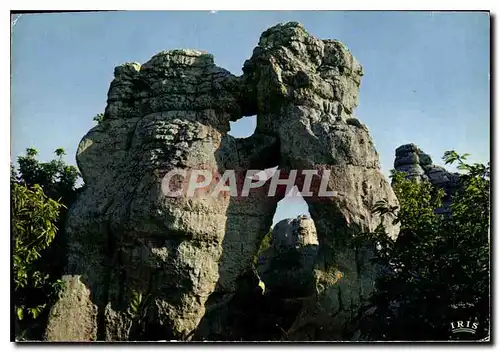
{"points": [[418, 166], [286, 267], [185, 255], [306, 90], [127, 236]]}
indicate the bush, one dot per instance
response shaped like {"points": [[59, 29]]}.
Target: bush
{"points": [[98, 118], [34, 217], [40, 196], [438, 269]]}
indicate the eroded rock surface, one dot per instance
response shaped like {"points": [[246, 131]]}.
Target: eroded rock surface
{"points": [[306, 91], [286, 267], [185, 255], [127, 236]]}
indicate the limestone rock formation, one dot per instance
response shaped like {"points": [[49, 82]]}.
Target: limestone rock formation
{"points": [[418, 166], [264, 310], [286, 267], [182, 257], [306, 90], [127, 236]]}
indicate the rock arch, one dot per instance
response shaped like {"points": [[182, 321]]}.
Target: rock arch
{"points": [[185, 255]]}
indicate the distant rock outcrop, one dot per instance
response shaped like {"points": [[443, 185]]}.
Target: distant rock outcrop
{"points": [[418, 166], [286, 267], [185, 257]]}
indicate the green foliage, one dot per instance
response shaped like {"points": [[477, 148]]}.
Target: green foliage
{"points": [[135, 304], [438, 269], [34, 217], [139, 305], [138, 311], [40, 195], [265, 244], [98, 118], [60, 152], [56, 178]]}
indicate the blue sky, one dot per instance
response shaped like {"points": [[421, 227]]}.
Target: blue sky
{"points": [[426, 74]]}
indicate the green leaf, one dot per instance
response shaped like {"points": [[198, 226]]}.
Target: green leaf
{"points": [[20, 313]]}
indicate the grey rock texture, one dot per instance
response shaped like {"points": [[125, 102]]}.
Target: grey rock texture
{"points": [[127, 236], [73, 306], [187, 256], [286, 267], [306, 91], [418, 166]]}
